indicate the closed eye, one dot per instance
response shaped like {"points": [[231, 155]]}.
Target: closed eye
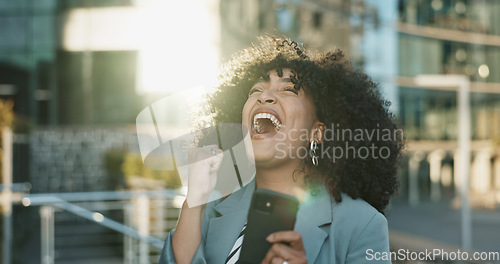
{"points": [[254, 90], [291, 89]]}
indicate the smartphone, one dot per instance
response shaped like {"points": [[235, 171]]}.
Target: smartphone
{"points": [[269, 212]]}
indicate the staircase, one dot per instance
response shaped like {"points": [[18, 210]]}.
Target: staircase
{"points": [[78, 240]]}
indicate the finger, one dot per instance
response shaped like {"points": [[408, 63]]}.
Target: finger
{"points": [[280, 251], [291, 237], [211, 148], [198, 154], [212, 151], [277, 260], [216, 157], [271, 258], [216, 162]]}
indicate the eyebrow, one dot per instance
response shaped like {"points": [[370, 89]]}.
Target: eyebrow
{"points": [[284, 80]]}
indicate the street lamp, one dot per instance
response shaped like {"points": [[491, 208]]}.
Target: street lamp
{"points": [[461, 82]]}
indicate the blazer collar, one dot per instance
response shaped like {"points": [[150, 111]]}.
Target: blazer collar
{"points": [[314, 212], [224, 229], [237, 201]]}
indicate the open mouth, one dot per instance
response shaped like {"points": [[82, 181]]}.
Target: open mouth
{"points": [[264, 123]]}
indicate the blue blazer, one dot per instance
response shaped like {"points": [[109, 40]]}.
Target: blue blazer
{"points": [[351, 231]]}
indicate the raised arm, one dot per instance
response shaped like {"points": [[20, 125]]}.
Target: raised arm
{"points": [[203, 165]]}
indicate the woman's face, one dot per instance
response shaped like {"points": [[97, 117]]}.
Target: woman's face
{"points": [[280, 120]]}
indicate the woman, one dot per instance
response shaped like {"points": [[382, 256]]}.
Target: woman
{"points": [[292, 102]]}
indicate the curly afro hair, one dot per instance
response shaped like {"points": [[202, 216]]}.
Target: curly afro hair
{"points": [[344, 98]]}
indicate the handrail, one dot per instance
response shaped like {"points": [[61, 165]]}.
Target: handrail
{"points": [[449, 34], [63, 201], [44, 198], [107, 222], [475, 87]]}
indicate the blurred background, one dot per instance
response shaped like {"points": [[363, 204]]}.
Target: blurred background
{"points": [[74, 74]]}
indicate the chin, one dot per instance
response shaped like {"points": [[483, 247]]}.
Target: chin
{"points": [[262, 154], [267, 157]]}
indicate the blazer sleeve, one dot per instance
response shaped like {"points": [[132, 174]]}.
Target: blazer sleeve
{"points": [[167, 254], [372, 244]]}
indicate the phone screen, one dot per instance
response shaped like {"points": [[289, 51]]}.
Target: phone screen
{"points": [[269, 212]]}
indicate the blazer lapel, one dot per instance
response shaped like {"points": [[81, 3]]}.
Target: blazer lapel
{"points": [[314, 212], [223, 230]]}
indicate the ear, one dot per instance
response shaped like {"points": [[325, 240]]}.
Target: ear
{"points": [[317, 132]]}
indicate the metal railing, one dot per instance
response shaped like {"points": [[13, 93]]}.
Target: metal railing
{"points": [[135, 229], [68, 202]]}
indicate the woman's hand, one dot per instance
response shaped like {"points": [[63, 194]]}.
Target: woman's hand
{"points": [[294, 253], [202, 173], [203, 165]]}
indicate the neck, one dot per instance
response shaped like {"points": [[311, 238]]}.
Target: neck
{"points": [[284, 179]]}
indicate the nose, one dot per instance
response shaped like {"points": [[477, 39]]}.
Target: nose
{"points": [[267, 97]]}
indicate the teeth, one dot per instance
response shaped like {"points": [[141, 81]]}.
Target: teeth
{"points": [[269, 116]]}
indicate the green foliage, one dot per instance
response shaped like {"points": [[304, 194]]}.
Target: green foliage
{"points": [[134, 167], [6, 119], [113, 160], [6, 113]]}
